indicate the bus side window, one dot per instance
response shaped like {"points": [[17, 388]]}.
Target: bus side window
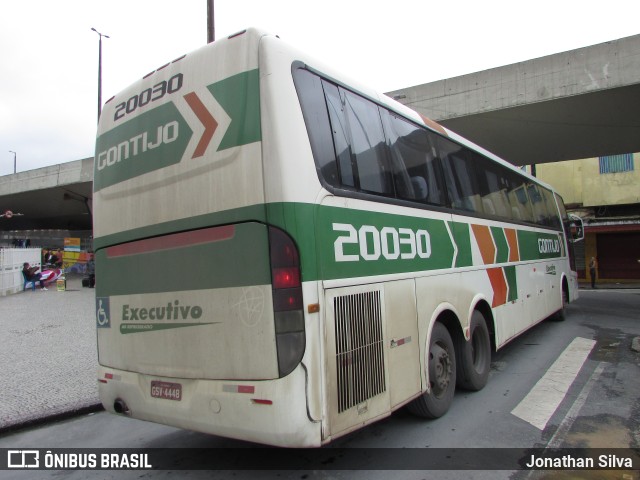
{"points": [[494, 185], [368, 145], [540, 214], [413, 161], [520, 200], [316, 118], [340, 135], [553, 220], [460, 177]]}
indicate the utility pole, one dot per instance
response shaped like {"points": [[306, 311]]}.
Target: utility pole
{"points": [[211, 28]]}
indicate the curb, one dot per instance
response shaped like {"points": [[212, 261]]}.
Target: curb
{"points": [[35, 422], [610, 286]]}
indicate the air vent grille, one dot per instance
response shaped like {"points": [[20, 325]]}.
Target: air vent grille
{"points": [[359, 348]]}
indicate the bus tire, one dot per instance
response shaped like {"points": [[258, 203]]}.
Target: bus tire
{"points": [[474, 356], [561, 315], [441, 366]]}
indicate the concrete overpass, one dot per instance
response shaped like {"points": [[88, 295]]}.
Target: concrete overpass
{"points": [[55, 197], [578, 104]]}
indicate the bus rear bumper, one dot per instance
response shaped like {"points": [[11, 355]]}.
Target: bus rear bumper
{"points": [[272, 412]]}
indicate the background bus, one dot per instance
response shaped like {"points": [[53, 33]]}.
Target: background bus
{"points": [[284, 256]]}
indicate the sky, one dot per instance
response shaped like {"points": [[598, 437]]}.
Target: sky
{"points": [[49, 54]]}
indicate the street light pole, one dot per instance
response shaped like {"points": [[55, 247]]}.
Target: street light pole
{"points": [[100, 71], [14, 160]]}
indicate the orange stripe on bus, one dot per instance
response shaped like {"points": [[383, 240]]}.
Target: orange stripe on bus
{"points": [[485, 243], [499, 285], [210, 124], [433, 125], [512, 240]]}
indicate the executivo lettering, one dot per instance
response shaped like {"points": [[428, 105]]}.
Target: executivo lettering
{"points": [[172, 311]]}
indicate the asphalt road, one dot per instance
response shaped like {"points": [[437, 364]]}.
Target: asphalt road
{"points": [[600, 409]]}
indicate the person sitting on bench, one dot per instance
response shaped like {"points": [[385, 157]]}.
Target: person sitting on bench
{"points": [[31, 275]]}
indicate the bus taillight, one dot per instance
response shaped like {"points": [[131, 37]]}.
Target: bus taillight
{"points": [[287, 300], [288, 277]]}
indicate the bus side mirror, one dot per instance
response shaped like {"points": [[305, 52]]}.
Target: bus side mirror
{"points": [[577, 228]]}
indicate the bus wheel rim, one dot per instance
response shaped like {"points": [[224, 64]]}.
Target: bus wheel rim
{"points": [[440, 369]]}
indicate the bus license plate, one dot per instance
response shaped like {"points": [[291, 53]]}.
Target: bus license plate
{"points": [[166, 390]]}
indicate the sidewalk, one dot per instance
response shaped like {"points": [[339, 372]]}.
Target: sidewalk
{"points": [[48, 354], [585, 285]]}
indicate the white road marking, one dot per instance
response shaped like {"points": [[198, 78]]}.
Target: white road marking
{"points": [[545, 397]]}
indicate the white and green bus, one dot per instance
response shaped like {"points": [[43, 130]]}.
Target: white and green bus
{"points": [[284, 256]]}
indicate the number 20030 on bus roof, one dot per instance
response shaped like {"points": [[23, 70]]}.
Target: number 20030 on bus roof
{"points": [[284, 256]]}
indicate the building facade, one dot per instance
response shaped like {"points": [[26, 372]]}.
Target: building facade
{"points": [[605, 193]]}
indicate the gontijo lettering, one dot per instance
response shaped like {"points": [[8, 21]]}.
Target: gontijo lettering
{"points": [[546, 245], [138, 144]]}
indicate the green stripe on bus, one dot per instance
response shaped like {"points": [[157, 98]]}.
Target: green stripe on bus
{"points": [[242, 260], [253, 213], [539, 246], [370, 243], [151, 141], [462, 237], [358, 243], [158, 138], [299, 220], [138, 327], [512, 282], [502, 255], [239, 96]]}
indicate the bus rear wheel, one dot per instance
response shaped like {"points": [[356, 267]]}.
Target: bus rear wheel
{"points": [[474, 356], [441, 360], [561, 314]]}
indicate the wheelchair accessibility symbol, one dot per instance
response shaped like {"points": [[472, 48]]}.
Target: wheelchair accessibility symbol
{"points": [[102, 312]]}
